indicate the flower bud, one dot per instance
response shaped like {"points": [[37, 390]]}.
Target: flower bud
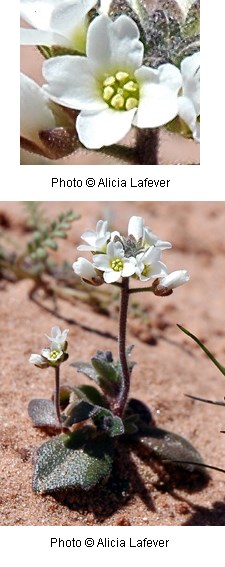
{"points": [[164, 286], [87, 272]]}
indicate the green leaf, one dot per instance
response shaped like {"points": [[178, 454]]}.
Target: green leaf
{"points": [[105, 369], [87, 369], [67, 462], [106, 421], [42, 413], [90, 394], [50, 243], [168, 446], [77, 412], [204, 348]]}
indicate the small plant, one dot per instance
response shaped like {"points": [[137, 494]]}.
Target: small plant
{"points": [[89, 421], [34, 260]]}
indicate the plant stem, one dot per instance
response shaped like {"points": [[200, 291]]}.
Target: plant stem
{"points": [[125, 386], [56, 396], [140, 289], [147, 143]]}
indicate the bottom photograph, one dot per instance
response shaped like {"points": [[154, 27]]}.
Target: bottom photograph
{"points": [[112, 363]]}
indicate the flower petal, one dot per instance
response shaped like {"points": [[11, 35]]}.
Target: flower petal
{"points": [[33, 97], [114, 44], [170, 76], [136, 227], [38, 12], [71, 84], [190, 69], [187, 112], [41, 37], [98, 129]]}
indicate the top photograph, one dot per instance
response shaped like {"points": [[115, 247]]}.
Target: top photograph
{"points": [[110, 82]]}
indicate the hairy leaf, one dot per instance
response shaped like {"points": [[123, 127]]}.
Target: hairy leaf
{"points": [[72, 461]]}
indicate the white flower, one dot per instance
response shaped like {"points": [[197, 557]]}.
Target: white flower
{"points": [[139, 231], [150, 239], [57, 22], [114, 264], [136, 228], [87, 272], [96, 239], [149, 264], [58, 338], [35, 112], [189, 98], [38, 360], [53, 355], [110, 86], [171, 281]]}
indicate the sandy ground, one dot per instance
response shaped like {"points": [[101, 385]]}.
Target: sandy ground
{"points": [[169, 366]]}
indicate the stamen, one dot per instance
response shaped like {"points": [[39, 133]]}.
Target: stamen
{"points": [[117, 265], [108, 93], [121, 91], [54, 354], [109, 81], [122, 76], [131, 87], [131, 103], [117, 102]]}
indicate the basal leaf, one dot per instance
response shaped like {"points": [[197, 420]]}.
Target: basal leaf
{"points": [[168, 446], [42, 413], [68, 462]]}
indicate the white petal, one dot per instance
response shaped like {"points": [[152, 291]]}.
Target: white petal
{"points": [[187, 112], [170, 76], [71, 84], [35, 115], [41, 37], [136, 227], [70, 19], [111, 276], [174, 279], [98, 129], [190, 68], [158, 104], [84, 268], [114, 44], [36, 359], [129, 267], [101, 261], [38, 12]]}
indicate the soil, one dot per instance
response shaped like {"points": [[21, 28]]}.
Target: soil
{"points": [[140, 491]]}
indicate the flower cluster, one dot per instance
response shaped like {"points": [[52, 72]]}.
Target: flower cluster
{"points": [[56, 353], [96, 64], [137, 255]]}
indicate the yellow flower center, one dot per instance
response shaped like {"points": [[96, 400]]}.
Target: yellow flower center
{"points": [[117, 264], [145, 271], [54, 354], [121, 91]]}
